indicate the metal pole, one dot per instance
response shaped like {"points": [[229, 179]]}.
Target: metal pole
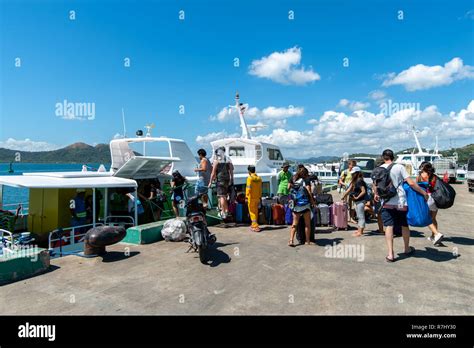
{"points": [[1, 197], [106, 203], [93, 207], [136, 206]]}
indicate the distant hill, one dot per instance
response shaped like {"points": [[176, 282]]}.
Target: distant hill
{"points": [[84, 153], [75, 153]]}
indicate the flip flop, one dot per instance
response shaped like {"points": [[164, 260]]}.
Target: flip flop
{"points": [[389, 260]]}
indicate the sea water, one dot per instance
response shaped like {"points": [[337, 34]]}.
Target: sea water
{"points": [[12, 195]]}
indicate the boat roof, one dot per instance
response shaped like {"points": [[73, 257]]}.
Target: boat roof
{"points": [[56, 180], [227, 141]]}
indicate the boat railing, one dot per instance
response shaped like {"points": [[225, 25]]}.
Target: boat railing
{"points": [[7, 242], [68, 240]]}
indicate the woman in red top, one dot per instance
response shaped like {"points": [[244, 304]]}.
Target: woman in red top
{"points": [[427, 175]]}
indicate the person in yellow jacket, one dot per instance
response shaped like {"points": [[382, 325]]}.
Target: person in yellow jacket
{"points": [[253, 194]]}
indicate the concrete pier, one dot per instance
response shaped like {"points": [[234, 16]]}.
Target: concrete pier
{"points": [[257, 273]]}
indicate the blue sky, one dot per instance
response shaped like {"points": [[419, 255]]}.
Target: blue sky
{"points": [[191, 63]]}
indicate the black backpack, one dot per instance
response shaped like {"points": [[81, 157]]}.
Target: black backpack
{"points": [[443, 194], [383, 182]]}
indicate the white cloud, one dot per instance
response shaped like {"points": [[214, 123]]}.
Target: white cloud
{"points": [[353, 105], [284, 67], [208, 138], [363, 131], [270, 113], [421, 76], [27, 145], [377, 94]]}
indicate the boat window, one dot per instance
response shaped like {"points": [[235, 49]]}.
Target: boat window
{"points": [[406, 158], [237, 151], [152, 148], [275, 155], [258, 152], [428, 159]]}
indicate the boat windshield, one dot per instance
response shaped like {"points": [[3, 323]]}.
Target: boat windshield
{"points": [[150, 148]]}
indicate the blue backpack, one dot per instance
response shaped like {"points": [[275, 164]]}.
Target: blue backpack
{"points": [[300, 194], [418, 211]]}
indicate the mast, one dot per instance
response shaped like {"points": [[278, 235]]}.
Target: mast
{"points": [[420, 150], [241, 110]]}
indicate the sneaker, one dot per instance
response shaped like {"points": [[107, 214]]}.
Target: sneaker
{"points": [[438, 238], [431, 239]]}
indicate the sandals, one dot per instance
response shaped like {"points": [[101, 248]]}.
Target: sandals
{"points": [[389, 260], [290, 244], [255, 229]]}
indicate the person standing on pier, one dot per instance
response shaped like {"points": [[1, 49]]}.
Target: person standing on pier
{"points": [[223, 172], [253, 195], [388, 187]]}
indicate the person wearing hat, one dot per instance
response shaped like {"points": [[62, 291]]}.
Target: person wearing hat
{"points": [[357, 190], [253, 195], [78, 209], [284, 178]]}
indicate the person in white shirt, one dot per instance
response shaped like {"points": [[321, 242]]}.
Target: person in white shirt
{"points": [[394, 211]]}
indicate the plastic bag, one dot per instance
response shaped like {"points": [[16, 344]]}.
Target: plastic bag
{"points": [[174, 230], [418, 211]]}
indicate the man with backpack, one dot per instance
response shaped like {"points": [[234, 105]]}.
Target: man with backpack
{"points": [[223, 172], [388, 182]]}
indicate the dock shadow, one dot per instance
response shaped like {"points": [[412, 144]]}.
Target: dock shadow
{"points": [[431, 254], [325, 229], [273, 227], [459, 240], [114, 256], [328, 241]]}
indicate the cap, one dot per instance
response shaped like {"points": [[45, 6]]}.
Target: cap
{"points": [[355, 170], [285, 164]]}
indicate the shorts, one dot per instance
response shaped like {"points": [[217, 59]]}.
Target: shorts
{"points": [[394, 217], [432, 204], [301, 209], [200, 188], [222, 188]]}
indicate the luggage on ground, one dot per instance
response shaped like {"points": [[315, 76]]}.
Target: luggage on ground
{"points": [[300, 233], [443, 194], [278, 214], [242, 213], [324, 215], [339, 215], [174, 230], [267, 210], [288, 215], [284, 199], [269, 201], [418, 214], [262, 219], [324, 198]]}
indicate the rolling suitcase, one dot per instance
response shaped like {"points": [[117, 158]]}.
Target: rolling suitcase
{"points": [[324, 215], [339, 215], [239, 211], [288, 215], [262, 219], [278, 214], [324, 198], [269, 201], [245, 214], [300, 233]]}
